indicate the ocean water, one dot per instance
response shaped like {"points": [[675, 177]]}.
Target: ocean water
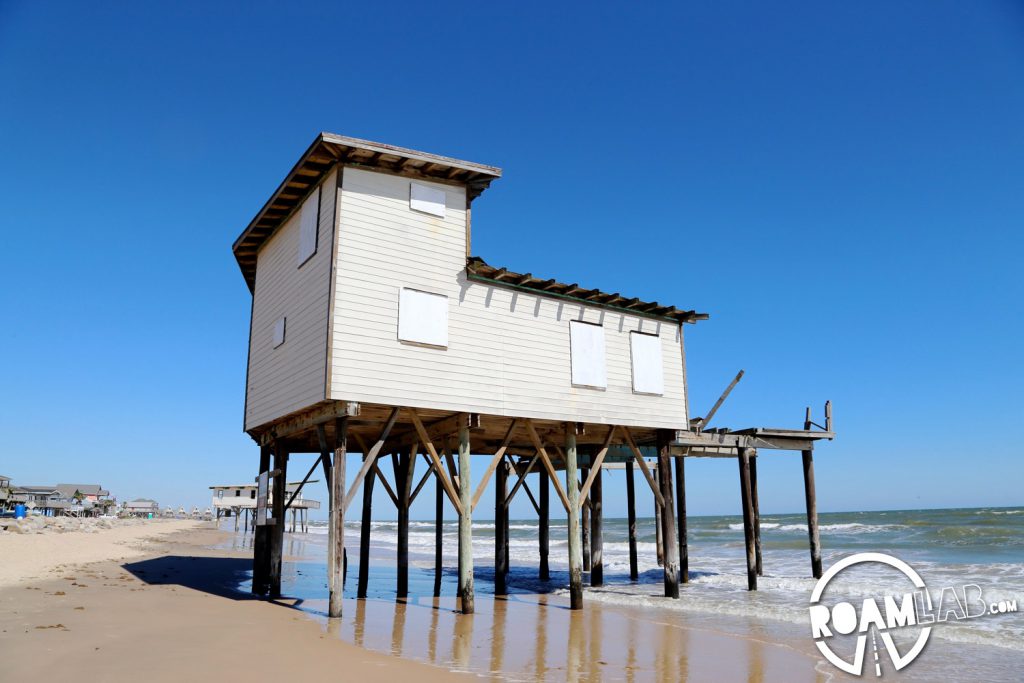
{"points": [[948, 548]]}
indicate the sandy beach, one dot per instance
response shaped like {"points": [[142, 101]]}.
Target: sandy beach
{"points": [[163, 602], [159, 604]]}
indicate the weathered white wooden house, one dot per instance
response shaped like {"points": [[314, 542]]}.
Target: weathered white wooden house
{"points": [[373, 323]]}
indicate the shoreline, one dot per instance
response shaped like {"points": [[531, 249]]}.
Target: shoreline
{"points": [[143, 609]]}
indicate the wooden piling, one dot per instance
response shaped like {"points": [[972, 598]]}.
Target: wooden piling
{"points": [[573, 496], [748, 516], [543, 525], [337, 518], [631, 513], [261, 541], [404, 473], [585, 524], [668, 516], [659, 543], [756, 509], [500, 529], [438, 532], [596, 531], [365, 528], [812, 513], [465, 522], [684, 550], [277, 534]]}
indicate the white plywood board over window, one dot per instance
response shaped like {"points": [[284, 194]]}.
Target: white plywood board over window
{"points": [[423, 318], [426, 199], [586, 342], [309, 220], [648, 371]]}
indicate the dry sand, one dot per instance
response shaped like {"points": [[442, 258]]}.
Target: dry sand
{"points": [[164, 617]]}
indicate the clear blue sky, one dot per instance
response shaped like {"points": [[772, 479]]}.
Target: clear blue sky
{"points": [[841, 185]]}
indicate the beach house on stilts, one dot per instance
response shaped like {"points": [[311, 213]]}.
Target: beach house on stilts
{"points": [[375, 331]]}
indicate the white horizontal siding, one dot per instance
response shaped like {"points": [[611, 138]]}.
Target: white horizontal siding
{"points": [[508, 351], [290, 377]]}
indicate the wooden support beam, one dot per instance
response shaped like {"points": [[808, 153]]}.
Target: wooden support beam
{"points": [[595, 465], [277, 531], [438, 533], [529, 494], [546, 461], [684, 551], [369, 462], [573, 508], [498, 455], [643, 466], [404, 473], [631, 520], [596, 528], [584, 526], [337, 519], [365, 527], [543, 525], [429, 445], [668, 515], [261, 540], [300, 423], [423, 480], [296, 492], [748, 516], [756, 509], [465, 508], [522, 477], [810, 498], [384, 482], [500, 530], [659, 541]]}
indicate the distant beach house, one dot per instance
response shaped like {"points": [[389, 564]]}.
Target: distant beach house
{"points": [[240, 499], [141, 507], [45, 499], [5, 491]]}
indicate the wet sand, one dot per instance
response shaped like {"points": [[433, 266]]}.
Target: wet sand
{"points": [[176, 611]]}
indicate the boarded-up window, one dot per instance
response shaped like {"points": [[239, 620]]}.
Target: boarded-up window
{"points": [[309, 223], [648, 373], [426, 199], [586, 344], [423, 318], [279, 332]]}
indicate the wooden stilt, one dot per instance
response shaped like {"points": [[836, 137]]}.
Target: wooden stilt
{"points": [[658, 540], [438, 533], [465, 523], [543, 525], [585, 524], [756, 508], [365, 528], [684, 551], [500, 529], [812, 513], [337, 518], [236, 515], [634, 574], [277, 534], [573, 496], [748, 516], [668, 516], [596, 530], [403, 482]]}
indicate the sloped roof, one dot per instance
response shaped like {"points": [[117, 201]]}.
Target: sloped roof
{"points": [[323, 154], [68, 490]]}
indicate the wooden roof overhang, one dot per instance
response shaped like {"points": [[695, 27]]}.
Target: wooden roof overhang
{"points": [[478, 269], [328, 150]]}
